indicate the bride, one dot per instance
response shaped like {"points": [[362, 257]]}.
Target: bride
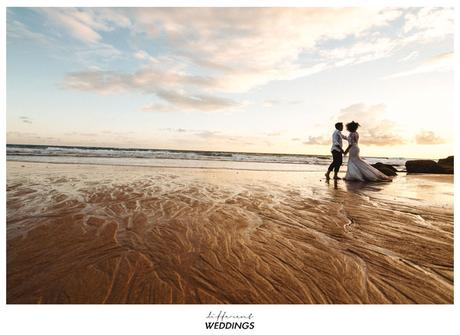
{"points": [[357, 168]]}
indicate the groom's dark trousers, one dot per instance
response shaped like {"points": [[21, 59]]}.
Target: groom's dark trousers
{"points": [[336, 161]]}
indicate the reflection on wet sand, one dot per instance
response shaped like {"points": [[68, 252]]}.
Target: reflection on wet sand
{"points": [[106, 234]]}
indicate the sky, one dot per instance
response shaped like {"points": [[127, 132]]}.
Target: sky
{"points": [[232, 79]]}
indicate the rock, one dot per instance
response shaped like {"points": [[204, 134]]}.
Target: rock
{"points": [[422, 166], [447, 161], [386, 169], [430, 166], [447, 164]]}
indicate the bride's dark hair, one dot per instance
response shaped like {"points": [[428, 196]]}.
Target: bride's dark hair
{"points": [[352, 126]]}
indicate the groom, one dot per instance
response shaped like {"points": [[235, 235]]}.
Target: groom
{"points": [[336, 150]]}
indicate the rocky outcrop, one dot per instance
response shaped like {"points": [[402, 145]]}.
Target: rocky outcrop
{"points": [[443, 166], [447, 164], [386, 169]]}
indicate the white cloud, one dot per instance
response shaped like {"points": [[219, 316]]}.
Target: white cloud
{"points": [[429, 23], [77, 22], [144, 55], [16, 30], [317, 140], [375, 128], [275, 133], [410, 56], [100, 51], [146, 80], [86, 24], [428, 137], [245, 47], [256, 46], [439, 63], [240, 48], [165, 85], [362, 51], [178, 101]]}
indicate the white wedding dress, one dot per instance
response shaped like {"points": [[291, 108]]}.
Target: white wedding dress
{"points": [[358, 169]]}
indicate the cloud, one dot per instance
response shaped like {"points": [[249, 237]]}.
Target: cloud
{"points": [[74, 133], [317, 140], [428, 23], [410, 56], [371, 48], [177, 101], [21, 133], [103, 82], [78, 23], [238, 49], [218, 139], [207, 134], [152, 80], [25, 119], [246, 42], [375, 128], [256, 39], [198, 102], [20, 137], [100, 51], [428, 137], [18, 31], [158, 108], [144, 55], [89, 55], [259, 40], [86, 24], [274, 102], [275, 133], [146, 80], [175, 130], [270, 103], [439, 63]]}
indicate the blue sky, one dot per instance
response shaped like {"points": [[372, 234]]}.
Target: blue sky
{"points": [[237, 79]]}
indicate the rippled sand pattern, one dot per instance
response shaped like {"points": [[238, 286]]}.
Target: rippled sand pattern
{"points": [[93, 234]]}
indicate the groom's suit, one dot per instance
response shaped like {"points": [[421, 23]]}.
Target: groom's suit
{"points": [[336, 151]]}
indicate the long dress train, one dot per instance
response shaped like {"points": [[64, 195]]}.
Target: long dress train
{"points": [[358, 169]]}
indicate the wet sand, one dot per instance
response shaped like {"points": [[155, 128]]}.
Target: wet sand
{"points": [[118, 234]]}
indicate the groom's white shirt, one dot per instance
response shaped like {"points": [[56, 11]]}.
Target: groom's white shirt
{"points": [[337, 140]]}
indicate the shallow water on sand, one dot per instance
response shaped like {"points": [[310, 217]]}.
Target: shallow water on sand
{"points": [[116, 234]]}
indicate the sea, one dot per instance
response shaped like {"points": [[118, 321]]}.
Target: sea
{"points": [[179, 158]]}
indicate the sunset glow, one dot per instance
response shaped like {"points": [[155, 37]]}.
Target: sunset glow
{"points": [[232, 79]]}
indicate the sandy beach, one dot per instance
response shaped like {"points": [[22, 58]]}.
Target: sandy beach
{"points": [[133, 234]]}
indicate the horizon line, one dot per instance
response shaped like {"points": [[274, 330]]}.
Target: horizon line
{"points": [[193, 150]]}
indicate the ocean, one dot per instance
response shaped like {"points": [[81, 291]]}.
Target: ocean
{"points": [[178, 158]]}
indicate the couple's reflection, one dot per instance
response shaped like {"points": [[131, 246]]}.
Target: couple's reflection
{"points": [[354, 186], [332, 182]]}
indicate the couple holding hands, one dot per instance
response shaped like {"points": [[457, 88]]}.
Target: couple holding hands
{"points": [[357, 168]]}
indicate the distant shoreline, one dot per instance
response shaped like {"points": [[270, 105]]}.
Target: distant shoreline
{"points": [[326, 156]]}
